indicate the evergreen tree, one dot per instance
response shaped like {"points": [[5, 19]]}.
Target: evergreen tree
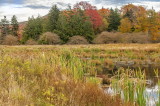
{"points": [[114, 20], [4, 27], [75, 24], [15, 25], [53, 18], [63, 28], [33, 29]]}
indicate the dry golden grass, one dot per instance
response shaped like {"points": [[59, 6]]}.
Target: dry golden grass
{"points": [[55, 75]]}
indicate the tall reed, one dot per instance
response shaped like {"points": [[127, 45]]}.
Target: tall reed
{"points": [[131, 85]]}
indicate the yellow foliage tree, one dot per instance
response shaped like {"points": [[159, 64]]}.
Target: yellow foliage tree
{"points": [[104, 26], [137, 15], [141, 24], [125, 25], [104, 14], [153, 24]]}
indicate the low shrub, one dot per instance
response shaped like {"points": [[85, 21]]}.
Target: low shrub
{"points": [[157, 40], [49, 38], [110, 37], [31, 42], [77, 40], [105, 37], [140, 37], [10, 40], [1, 38], [124, 38]]}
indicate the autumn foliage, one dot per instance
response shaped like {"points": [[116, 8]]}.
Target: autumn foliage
{"points": [[87, 21], [91, 12]]}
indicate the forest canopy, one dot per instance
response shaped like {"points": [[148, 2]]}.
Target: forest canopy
{"points": [[84, 20]]}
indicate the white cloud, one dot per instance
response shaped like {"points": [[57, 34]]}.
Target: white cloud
{"points": [[149, 5], [20, 11], [33, 7], [25, 10]]}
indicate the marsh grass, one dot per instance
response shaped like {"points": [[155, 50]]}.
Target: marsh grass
{"points": [[130, 84], [157, 76], [67, 75], [48, 76]]}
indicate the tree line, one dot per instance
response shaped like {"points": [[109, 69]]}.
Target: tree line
{"points": [[86, 20], [9, 27]]}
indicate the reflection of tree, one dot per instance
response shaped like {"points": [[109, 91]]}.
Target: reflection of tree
{"points": [[150, 76], [152, 82]]}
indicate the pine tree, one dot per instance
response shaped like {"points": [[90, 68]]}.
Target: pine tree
{"points": [[63, 28], [53, 18], [33, 29], [4, 27], [114, 20], [75, 23], [15, 25]]}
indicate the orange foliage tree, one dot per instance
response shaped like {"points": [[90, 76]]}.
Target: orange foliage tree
{"points": [[104, 14]]}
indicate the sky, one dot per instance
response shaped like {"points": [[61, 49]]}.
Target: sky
{"points": [[27, 8]]}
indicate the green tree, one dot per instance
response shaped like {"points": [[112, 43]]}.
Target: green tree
{"points": [[63, 28], [33, 29], [114, 20], [4, 27], [15, 26], [53, 18], [75, 24]]}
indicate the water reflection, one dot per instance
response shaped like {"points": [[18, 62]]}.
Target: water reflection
{"points": [[151, 92]]}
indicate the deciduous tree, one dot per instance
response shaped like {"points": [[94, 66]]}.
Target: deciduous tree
{"points": [[153, 24], [125, 26], [91, 12]]}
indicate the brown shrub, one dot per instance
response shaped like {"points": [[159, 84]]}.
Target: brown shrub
{"points": [[49, 38], [140, 37], [82, 94], [10, 40], [124, 38], [1, 39], [105, 37], [77, 40], [110, 37], [157, 40], [31, 42]]}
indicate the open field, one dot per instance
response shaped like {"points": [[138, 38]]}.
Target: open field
{"points": [[70, 75]]}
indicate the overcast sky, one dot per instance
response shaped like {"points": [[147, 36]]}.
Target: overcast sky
{"points": [[26, 8]]}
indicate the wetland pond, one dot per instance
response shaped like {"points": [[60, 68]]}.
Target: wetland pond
{"points": [[150, 90]]}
